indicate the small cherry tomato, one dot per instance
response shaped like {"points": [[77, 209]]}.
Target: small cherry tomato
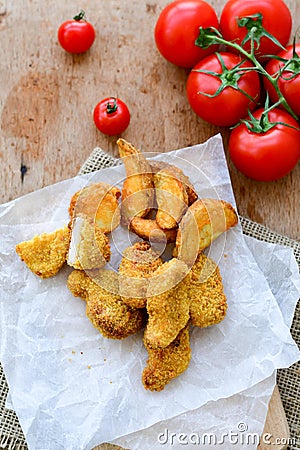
{"points": [[263, 17], [77, 35], [111, 116], [266, 155], [177, 29], [289, 80], [219, 89]]}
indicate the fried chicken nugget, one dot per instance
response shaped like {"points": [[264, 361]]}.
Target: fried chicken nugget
{"points": [[168, 303], [104, 306], [157, 166], [89, 247], [204, 221], [98, 201], [137, 266], [171, 198], [208, 301], [138, 188], [149, 230], [167, 363], [46, 253]]}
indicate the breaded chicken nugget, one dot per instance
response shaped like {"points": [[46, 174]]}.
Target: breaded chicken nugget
{"points": [[46, 253], [138, 189], [171, 198], [99, 202], [78, 283], [104, 307], [168, 303], [208, 301], [137, 266], [89, 247], [167, 363]]}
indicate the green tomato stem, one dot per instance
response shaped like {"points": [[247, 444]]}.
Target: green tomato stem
{"points": [[259, 67]]}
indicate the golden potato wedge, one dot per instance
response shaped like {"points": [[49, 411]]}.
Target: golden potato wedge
{"points": [[99, 201], [149, 230], [157, 166], [204, 221], [171, 198], [138, 189]]}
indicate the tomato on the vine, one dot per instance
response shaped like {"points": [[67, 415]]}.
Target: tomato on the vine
{"points": [[111, 116], [177, 28], [269, 149], [77, 35], [220, 91], [263, 17], [289, 79]]}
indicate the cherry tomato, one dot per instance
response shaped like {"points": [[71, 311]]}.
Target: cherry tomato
{"points": [[177, 29], [276, 20], [77, 35], [269, 155], [230, 105], [289, 81], [111, 116]]}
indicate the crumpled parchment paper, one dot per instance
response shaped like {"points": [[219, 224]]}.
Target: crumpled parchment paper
{"points": [[72, 388]]}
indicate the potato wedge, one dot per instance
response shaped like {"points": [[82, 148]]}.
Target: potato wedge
{"points": [[149, 230], [204, 221], [99, 201], [157, 166], [138, 189], [171, 198]]}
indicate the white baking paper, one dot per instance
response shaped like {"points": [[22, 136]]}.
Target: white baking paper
{"points": [[72, 388], [236, 422]]}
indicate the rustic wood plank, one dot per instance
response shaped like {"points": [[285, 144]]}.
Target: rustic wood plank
{"points": [[48, 96]]}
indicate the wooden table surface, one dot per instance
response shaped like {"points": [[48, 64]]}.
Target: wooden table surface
{"points": [[47, 99]]}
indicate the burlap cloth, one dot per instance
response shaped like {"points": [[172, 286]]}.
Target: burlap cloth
{"points": [[11, 435]]}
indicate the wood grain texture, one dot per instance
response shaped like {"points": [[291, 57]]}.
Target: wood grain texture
{"points": [[47, 98]]}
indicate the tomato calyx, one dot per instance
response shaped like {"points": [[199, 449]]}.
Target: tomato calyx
{"points": [[263, 124], [228, 77], [211, 36], [256, 31], [80, 16], [111, 108], [291, 65]]}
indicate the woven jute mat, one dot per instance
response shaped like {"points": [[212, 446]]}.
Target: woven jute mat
{"points": [[11, 435]]}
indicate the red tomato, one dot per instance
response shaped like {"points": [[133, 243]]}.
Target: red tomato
{"points": [[289, 87], [77, 35], [230, 105], [270, 155], [111, 116], [177, 29], [276, 20]]}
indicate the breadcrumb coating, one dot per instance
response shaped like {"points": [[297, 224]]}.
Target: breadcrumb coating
{"points": [[137, 266], [90, 247], [208, 305], [167, 363], [104, 307], [168, 308], [46, 253]]}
